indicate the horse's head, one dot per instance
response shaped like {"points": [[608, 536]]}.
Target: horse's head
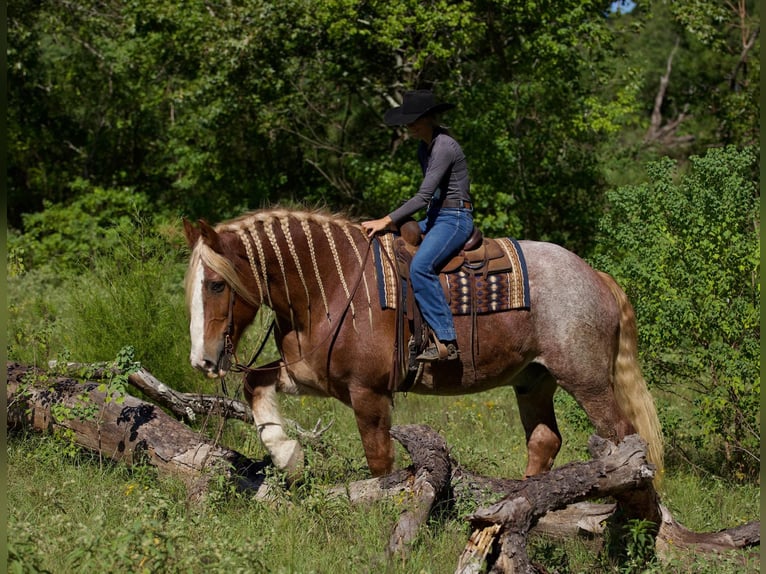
{"points": [[220, 304]]}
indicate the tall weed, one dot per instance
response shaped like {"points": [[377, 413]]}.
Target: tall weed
{"points": [[129, 293]]}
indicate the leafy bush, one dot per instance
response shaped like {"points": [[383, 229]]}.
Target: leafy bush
{"points": [[130, 295], [685, 247], [69, 236]]}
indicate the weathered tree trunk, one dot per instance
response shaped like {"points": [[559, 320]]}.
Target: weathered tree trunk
{"points": [[615, 470], [131, 431], [430, 457], [184, 405], [666, 133], [543, 505]]}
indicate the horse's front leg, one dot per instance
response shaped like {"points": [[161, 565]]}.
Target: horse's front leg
{"points": [[261, 394], [373, 419]]}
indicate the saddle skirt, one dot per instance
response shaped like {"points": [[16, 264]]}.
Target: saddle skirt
{"points": [[487, 276]]}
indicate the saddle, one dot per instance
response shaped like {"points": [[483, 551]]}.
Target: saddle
{"points": [[479, 254], [474, 281]]}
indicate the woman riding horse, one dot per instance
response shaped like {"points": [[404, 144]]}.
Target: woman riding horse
{"points": [[445, 192]]}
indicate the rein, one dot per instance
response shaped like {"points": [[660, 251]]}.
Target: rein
{"points": [[229, 356]]}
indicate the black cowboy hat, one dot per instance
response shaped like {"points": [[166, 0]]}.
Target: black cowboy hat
{"points": [[415, 104]]}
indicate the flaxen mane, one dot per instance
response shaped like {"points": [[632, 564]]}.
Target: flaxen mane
{"points": [[258, 229]]}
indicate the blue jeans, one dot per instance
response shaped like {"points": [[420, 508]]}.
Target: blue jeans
{"points": [[446, 231]]}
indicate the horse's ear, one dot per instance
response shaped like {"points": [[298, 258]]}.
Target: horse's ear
{"points": [[210, 236], [192, 233]]}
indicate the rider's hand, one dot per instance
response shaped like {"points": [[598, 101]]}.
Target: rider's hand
{"points": [[377, 225]]}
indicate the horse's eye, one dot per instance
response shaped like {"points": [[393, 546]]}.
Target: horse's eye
{"points": [[217, 286]]}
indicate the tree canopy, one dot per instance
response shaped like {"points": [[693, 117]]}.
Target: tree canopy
{"points": [[212, 107]]}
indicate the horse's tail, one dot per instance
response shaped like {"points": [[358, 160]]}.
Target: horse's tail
{"points": [[630, 388]]}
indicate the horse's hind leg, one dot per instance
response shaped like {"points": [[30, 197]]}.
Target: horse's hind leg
{"points": [[535, 399]]}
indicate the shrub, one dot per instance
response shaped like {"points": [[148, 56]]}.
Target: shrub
{"points": [[685, 247], [70, 236], [127, 290]]}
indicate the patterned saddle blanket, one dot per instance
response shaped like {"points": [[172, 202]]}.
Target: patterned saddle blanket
{"points": [[487, 276], [487, 279]]}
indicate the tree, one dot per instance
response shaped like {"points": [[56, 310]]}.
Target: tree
{"points": [[212, 110], [697, 79]]}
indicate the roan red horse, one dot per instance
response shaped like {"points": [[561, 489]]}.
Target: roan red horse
{"points": [[314, 271]]}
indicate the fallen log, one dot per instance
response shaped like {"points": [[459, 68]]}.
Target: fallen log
{"points": [[430, 457], [614, 470], [184, 405], [130, 431]]}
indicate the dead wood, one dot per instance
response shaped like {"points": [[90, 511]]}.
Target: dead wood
{"points": [[430, 457], [665, 133], [615, 471], [130, 431], [185, 406], [553, 505]]}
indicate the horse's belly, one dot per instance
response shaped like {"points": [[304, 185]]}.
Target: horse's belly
{"points": [[468, 377]]}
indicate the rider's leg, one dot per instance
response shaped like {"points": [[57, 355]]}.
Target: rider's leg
{"points": [[444, 237]]}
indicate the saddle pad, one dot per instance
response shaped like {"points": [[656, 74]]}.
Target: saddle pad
{"points": [[496, 292], [385, 270]]}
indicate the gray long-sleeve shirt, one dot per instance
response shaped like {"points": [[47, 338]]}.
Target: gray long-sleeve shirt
{"points": [[444, 169]]}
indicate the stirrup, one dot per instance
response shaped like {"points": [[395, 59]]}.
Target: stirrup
{"points": [[439, 352]]}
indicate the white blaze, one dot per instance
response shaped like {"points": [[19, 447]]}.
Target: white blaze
{"points": [[197, 323]]}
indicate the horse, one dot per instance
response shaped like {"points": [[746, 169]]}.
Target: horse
{"points": [[314, 270]]}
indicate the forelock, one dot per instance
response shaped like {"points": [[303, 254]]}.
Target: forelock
{"points": [[218, 263]]}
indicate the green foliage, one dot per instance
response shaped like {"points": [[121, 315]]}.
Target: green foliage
{"points": [[115, 385], [132, 298], [685, 246], [632, 545], [204, 115], [68, 237]]}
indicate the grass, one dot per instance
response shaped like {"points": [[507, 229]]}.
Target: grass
{"points": [[74, 513]]}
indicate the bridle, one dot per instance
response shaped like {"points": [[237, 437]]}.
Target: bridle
{"points": [[228, 359]]}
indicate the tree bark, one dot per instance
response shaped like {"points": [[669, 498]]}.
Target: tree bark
{"points": [[131, 431], [658, 132], [430, 457], [184, 405]]}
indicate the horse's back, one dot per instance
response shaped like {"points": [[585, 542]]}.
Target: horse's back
{"points": [[570, 303], [555, 272]]}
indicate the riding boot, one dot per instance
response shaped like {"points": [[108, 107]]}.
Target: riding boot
{"points": [[439, 351]]}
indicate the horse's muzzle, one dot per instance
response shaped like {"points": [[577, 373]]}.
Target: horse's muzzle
{"points": [[213, 369]]}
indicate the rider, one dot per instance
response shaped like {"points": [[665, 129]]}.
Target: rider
{"points": [[445, 192]]}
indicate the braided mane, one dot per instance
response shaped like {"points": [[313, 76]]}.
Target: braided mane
{"points": [[256, 229]]}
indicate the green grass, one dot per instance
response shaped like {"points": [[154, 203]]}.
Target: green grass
{"points": [[71, 512], [77, 514]]}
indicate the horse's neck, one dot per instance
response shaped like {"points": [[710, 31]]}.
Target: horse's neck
{"points": [[308, 266]]}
